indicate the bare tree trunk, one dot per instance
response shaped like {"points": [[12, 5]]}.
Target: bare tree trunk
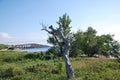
{"points": [[69, 70], [66, 44]]}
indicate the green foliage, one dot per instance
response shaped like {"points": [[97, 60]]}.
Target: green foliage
{"points": [[90, 44], [65, 28], [64, 25], [77, 44], [83, 42], [55, 51], [37, 68], [17, 56], [58, 67], [3, 46], [97, 69]]}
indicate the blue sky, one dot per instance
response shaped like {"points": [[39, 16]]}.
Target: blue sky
{"points": [[20, 19]]}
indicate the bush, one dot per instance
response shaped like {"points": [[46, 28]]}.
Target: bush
{"points": [[3, 46], [30, 56], [11, 72], [41, 56], [55, 51], [18, 71], [58, 68], [6, 73], [37, 68]]}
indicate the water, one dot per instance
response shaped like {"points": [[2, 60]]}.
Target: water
{"points": [[44, 49]]}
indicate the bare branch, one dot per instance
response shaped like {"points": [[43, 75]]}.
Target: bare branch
{"points": [[44, 27]]}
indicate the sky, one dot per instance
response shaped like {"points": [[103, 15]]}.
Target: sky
{"points": [[20, 19]]}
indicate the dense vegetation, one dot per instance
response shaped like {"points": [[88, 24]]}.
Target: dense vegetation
{"points": [[90, 43], [6, 47], [39, 66], [3, 46], [83, 42]]}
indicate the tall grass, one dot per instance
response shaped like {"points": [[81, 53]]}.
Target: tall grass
{"points": [[36, 66]]}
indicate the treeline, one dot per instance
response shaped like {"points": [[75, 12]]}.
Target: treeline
{"points": [[7, 47], [3, 46], [89, 43], [83, 42]]}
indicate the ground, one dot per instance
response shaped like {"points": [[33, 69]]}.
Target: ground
{"points": [[27, 66]]}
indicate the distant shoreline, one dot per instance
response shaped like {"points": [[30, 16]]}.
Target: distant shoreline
{"points": [[29, 46]]}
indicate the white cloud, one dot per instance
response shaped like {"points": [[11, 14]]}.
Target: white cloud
{"points": [[4, 35], [6, 38]]}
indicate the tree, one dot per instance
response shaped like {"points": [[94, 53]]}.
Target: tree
{"points": [[84, 42], [90, 44], [77, 44], [66, 45], [65, 28], [113, 45], [3, 46], [90, 41]]}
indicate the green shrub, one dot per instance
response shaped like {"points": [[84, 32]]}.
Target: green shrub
{"points": [[6, 73], [58, 67], [35, 66], [3, 46], [30, 56], [18, 71]]}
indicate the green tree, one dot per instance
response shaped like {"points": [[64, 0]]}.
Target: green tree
{"points": [[90, 44], [77, 44], [63, 26], [113, 45], [84, 42], [3, 46], [90, 41], [104, 44]]}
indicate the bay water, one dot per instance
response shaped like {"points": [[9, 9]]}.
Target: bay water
{"points": [[44, 49]]}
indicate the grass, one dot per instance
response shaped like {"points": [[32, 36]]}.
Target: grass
{"points": [[30, 66]]}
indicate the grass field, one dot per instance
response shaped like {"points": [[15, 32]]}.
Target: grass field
{"points": [[30, 66]]}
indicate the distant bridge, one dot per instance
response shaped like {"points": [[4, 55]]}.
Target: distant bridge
{"points": [[26, 46]]}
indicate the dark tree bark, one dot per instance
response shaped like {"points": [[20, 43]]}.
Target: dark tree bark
{"points": [[66, 45]]}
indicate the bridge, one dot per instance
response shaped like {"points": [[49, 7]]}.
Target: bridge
{"points": [[31, 45]]}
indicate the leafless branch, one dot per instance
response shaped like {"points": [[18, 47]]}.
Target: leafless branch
{"points": [[44, 27]]}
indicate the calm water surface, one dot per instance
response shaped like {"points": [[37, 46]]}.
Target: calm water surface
{"points": [[44, 49]]}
